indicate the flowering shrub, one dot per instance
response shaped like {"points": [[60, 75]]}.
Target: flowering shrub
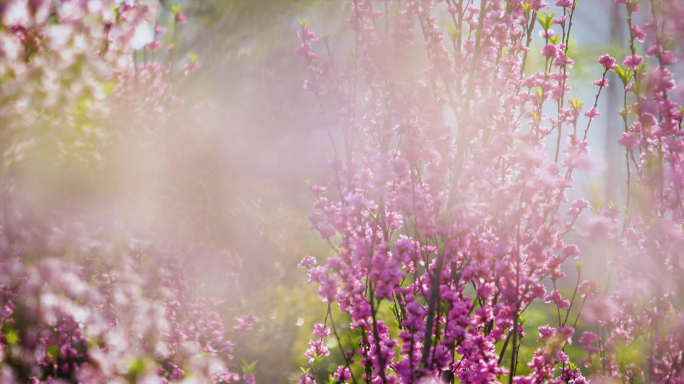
{"points": [[79, 306], [448, 202], [82, 302]]}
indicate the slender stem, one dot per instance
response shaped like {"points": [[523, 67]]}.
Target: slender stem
{"points": [[432, 303]]}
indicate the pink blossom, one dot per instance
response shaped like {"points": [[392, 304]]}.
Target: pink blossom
{"points": [[316, 350], [601, 83], [307, 35], [320, 330], [629, 140], [545, 34], [304, 50], [180, 17], [592, 113], [639, 33], [560, 20], [588, 338], [245, 323], [607, 61], [633, 61], [153, 45], [549, 50], [307, 262], [556, 297]]}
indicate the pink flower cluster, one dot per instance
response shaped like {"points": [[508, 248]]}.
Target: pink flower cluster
{"points": [[96, 312], [72, 53], [79, 303]]}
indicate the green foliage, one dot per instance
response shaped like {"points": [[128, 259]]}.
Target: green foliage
{"points": [[625, 74], [11, 335], [527, 7], [53, 351], [576, 103], [630, 354], [108, 87], [248, 368], [540, 94], [136, 368], [535, 117], [545, 20]]}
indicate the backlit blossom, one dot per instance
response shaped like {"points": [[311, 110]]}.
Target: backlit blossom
{"points": [[607, 61], [549, 50], [601, 83], [633, 61], [592, 113]]}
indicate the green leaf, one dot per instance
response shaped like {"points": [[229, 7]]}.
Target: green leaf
{"points": [[545, 20], [303, 22], [549, 21], [625, 74], [640, 69], [53, 351], [248, 367], [542, 19], [108, 87], [176, 9], [192, 57], [325, 38], [11, 336], [137, 368], [598, 207], [576, 103], [535, 118], [540, 94]]}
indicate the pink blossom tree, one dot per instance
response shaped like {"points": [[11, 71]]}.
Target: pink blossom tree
{"points": [[449, 196]]}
